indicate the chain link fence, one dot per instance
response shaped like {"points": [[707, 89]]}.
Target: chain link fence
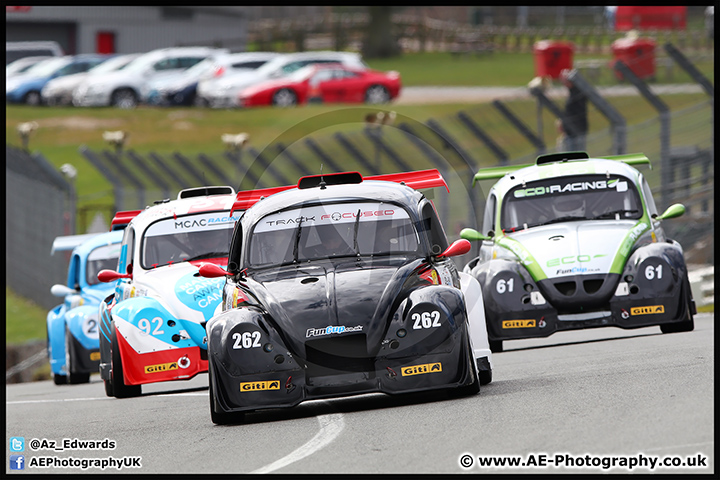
{"points": [[39, 206]]}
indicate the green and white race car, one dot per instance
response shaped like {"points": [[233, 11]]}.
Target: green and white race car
{"points": [[574, 242]]}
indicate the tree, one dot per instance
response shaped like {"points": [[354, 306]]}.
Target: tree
{"points": [[379, 41]]}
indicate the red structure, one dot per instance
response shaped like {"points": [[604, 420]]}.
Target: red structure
{"points": [[650, 18], [552, 57], [638, 54]]}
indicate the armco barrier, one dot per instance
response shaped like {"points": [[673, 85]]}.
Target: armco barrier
{"points": [[702, 284]]}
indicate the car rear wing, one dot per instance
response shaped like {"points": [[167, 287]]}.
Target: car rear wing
{"points": [[492, 173], [121, 219], [418, 180], [69, 242]]}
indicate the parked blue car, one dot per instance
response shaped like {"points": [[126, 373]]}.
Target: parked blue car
{"points": [[26, 88], [72, 327]]}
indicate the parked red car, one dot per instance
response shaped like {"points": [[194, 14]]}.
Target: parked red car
{"points": [[324, 83]]}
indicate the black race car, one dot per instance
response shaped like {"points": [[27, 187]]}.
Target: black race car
{"points": [[343, 286]]}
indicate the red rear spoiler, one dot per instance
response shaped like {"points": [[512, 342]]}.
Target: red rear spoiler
{"points": [[122, 219], [246, 199], [418, 180]]}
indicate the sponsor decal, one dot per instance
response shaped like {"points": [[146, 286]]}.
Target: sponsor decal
{"points": [[570, 187], [518, 323], [576, 270], [163, 367], [257, 386], [329, 330], [421, 369], [337, 216], [94, 356], [649, 310], [330, 214], [555, 262], [291, 221], [201, 294], [192, 223]]}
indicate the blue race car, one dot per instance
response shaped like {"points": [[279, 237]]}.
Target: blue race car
{"points": [[72, 327]]}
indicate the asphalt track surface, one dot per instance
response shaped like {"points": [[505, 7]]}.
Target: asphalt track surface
{"points": [[584, 397]]}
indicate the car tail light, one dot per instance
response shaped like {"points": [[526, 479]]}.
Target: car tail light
{"points": [[219, 71]]}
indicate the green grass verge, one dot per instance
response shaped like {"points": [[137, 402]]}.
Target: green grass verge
{"points": [[25, 320]]}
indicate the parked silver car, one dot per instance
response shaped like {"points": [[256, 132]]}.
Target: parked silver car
{"points": [[122, 88], [59, 91], [223, 93], [181, 88]]}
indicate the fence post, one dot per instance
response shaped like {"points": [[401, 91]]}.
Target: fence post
{"points": [[664, 113]]}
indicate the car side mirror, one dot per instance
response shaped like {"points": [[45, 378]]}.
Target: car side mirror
{"points": [[59, 290], [210, 270], [472, 234], [672, 211], [458, 247], [107, 276]]}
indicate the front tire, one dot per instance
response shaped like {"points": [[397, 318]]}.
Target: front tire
{"points": [[120, 389], [496, 346], [474, 387], [687, 325], [284, 98], [72, 378], [217, 415]]}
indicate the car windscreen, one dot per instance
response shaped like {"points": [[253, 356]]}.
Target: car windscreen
{"points": [[330, 231], [570, 198], [111, 65], [187, 237], [47, 67], [104, 257]]}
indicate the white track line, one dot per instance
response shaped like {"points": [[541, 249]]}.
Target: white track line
{"points": [[330, 427]]}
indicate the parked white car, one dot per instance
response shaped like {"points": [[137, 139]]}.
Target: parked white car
{"points": [[123, 88], [181, 88], [21, 65], [223, 93], [59, 91]]}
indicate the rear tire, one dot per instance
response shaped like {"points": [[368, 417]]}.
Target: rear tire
{"points": [[484, 371], [59, 379], [377, 94], [284, 98], [108, 388], [120, 389], [124, 98]]}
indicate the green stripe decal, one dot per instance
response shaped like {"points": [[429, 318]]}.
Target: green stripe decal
{"points": [[618, 264], [523, 256]]}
